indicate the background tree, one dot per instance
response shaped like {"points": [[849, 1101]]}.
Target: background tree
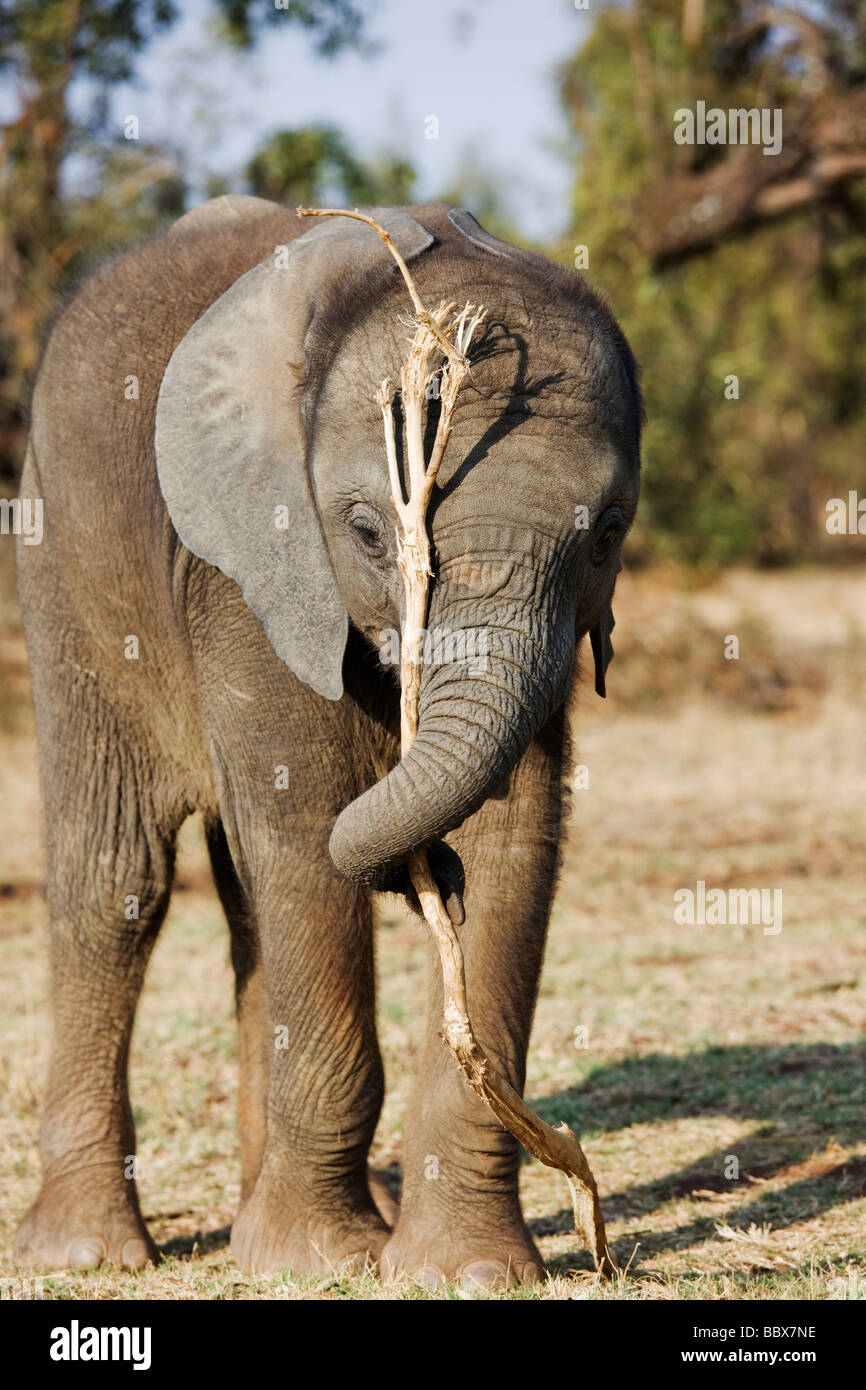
{"points": [[315, 165], [725, 262], [48, 45]]}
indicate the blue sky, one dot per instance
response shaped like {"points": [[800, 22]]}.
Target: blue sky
{"points": [[485, 69]]}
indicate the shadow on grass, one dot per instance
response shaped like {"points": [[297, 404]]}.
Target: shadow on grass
{"points": [[202, 1243], [802, 1098]]}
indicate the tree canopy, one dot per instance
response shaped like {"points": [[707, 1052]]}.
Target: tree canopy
{"points": [[46, 45], [723, 262]]}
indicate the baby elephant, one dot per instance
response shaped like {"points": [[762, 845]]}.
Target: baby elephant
{"points": [[211, 619]]}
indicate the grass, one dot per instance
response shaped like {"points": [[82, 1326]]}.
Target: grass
{"points": [[720, 1093]]}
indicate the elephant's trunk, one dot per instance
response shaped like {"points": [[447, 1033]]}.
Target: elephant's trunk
{"points": [[477, 716]]}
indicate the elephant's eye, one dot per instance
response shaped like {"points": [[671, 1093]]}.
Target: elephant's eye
{"points": [[367, 530], [611, 527]]}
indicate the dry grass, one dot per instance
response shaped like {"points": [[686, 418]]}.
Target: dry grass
{"points": [[704, 1043]]}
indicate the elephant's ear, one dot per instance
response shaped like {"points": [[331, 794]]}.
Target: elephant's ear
{"points": [[230, 445], [462, 219], [602, 649]]}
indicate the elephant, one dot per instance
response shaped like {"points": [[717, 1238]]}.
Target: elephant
{"points": [[204, 622]]}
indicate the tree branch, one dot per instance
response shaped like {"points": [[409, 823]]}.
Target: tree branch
{"points": [[824, 148]]}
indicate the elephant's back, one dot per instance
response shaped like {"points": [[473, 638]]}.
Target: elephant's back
{"points": [[110, 566]]}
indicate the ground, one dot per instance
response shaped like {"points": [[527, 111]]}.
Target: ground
{"points": [[715, 1074]]}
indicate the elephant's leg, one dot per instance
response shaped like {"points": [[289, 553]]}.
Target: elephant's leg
{"points": [[110, 867], [311, 1209], [254, 1031], [460, 1214]]}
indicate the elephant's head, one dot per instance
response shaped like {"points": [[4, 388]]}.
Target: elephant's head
{"points": [[272, 463]]}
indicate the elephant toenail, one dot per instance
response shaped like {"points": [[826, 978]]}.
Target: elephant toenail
{"points": [[483, 1274], [529, 1274], [86, 1253], [430, 1277], [134, 1253]]}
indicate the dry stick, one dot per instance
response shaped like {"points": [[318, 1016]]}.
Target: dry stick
{"points": [[420, 312], [555, 1146]]}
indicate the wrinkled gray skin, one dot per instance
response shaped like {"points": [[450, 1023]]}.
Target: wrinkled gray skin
{"points": [[160, 524]]}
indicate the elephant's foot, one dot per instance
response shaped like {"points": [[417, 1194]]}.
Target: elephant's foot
{"points": [[433, 1257], [267, 1236], [72, 1225]]}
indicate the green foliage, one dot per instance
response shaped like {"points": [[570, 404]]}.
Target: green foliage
{"points": [[46, 233], [135, 191], [96, 38], [314, 165], [333, 24], [780, 305]]}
